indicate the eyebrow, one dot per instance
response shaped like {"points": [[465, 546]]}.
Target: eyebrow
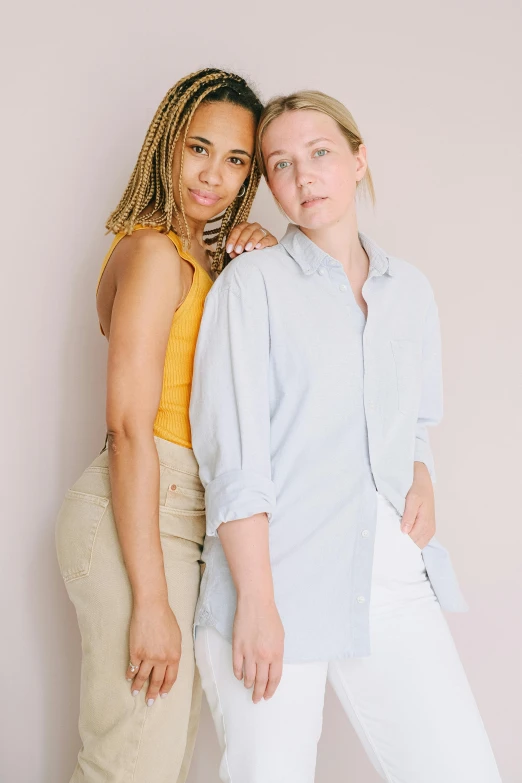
{"points": [[308, 144], [210, 144]]}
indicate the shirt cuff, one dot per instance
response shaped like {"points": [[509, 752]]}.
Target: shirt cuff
{"points": [[423, 454], [238, 494]]}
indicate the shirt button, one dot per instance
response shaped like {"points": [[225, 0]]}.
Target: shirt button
{"points": [[361, 599], [342, 287], [321, 271], [365, 533]]}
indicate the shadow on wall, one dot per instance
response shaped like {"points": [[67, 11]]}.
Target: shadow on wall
{"points": [[80, 386]]}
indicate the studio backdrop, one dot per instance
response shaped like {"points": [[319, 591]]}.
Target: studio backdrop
{"points": [[434, 88]]}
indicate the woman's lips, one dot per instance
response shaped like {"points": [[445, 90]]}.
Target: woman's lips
{"points": [[313, 202], [204, 197]]}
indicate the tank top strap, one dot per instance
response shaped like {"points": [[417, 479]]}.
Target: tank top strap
{"points": [[176, 241]]}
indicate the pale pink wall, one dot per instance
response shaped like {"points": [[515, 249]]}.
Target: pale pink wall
{"points": [[433, 87]]}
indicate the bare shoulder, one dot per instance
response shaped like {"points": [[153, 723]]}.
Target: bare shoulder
{"points": [[146, 274], [146, 254]]}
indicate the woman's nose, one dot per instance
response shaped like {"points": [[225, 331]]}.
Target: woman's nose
{"points": [[304, 178], [211, 175]]}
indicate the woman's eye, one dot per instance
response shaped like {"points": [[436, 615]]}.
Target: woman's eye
{"points": [[237, 161], [198, 149], [321, 153], [281, 165]]}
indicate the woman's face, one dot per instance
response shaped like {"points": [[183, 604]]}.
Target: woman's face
{"points": [[218, 156], [311, 169]]}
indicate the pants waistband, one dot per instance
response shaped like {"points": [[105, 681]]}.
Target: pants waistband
{"points": [[175, 456], [170, 454]]}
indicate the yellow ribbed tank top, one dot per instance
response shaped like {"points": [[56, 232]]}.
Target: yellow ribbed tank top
{"points": [[172, 420]]}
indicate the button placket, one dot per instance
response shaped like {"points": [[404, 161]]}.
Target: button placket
{"points": [[369, 379]]}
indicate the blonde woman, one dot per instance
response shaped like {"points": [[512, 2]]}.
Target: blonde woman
{"points": [[317, 373], [130, 531]]}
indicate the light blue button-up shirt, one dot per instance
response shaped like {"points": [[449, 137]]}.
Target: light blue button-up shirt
{"points": [[302, 408]]}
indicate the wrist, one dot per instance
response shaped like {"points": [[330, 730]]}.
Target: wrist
{"points": [[420, 471], [421, 477], [146, 599], [260, 594]]}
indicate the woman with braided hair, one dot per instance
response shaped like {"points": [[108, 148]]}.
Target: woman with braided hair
{"points": [[130, 531]]}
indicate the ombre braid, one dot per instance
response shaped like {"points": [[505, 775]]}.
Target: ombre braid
{"points": [[148, 199]]}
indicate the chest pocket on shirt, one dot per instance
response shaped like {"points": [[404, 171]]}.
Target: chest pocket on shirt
{"points": [[407, 355]]}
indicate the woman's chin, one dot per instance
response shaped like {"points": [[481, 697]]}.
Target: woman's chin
{"points": [[314, 221], [200, 213]]}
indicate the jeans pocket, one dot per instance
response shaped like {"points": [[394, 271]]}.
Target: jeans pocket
{"points": [[185, 499], [76, 528], [407, 355]]}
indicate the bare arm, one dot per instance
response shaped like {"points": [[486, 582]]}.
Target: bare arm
{"points": [[245, 542], [148, 288], [258, 631]]}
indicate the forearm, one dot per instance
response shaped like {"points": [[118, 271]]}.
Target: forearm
{"points": [[421, 475], [245, 543], [134, 474]]}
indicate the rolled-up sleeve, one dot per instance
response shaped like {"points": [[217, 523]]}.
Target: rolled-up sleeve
{"points": [[229, 408], [430, 411]]}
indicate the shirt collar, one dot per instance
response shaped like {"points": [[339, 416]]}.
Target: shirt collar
{"points": [[310, 257]]}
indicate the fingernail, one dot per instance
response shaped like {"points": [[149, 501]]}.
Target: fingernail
{"points": [[249, 246], [164, 695], [129, 679], [230, 248], [239, 248], [135, 693], [258, 245], [150, 702]]}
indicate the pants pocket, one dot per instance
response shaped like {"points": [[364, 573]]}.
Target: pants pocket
{"points": [[182, 506], [76, 528], [443, 577], [182, 524]]}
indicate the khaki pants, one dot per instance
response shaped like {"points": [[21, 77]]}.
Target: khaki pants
{"points": [[123, 740]]}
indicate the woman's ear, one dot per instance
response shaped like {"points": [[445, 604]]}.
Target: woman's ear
{"points": [[361, 162]]}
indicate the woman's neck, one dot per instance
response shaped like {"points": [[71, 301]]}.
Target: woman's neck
{"points": [[198, 249], [341, 241]]}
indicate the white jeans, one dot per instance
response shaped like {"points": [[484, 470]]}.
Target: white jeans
{"points": [[409, 702]]}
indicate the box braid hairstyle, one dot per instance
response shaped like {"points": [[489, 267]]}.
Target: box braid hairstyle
{"points": [[149, 197]]}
